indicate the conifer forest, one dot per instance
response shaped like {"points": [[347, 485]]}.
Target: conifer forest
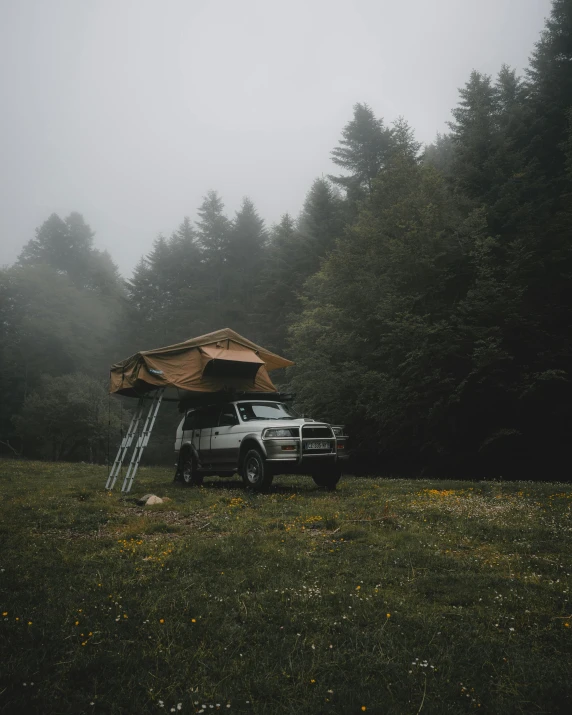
{"points": [[423, 291]]}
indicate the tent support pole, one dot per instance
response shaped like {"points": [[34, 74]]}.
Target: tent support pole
{"points": [[125, 444], [142, 440]]}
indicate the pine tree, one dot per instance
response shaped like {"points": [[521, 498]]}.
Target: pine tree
{"points": [[321, 223], [167, 287], [362, 151], [474, 133], [282, 276], [213, 233], [213, 236], [246, 250], [67, 246], [248, 235], [182, 259], [63, 245], [489, 137], [550, 88], [149, 287], [294, 254], [509, 94], [507, 198], [440, 154], [403, 140]]}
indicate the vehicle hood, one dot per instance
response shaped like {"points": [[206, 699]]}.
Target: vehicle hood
{"points": [[256, 425]]}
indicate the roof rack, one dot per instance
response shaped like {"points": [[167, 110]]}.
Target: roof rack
{"points": [[201, 399]]}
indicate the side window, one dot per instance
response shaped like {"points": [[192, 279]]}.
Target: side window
{"points": [[208, 417], [227, 417], [190, 421], [199, 418]]}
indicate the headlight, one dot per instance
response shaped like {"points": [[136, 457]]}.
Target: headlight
{"points": [[280, 433], [338, 431]]}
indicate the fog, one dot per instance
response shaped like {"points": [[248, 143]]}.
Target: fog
{"points": [[128, 112]]}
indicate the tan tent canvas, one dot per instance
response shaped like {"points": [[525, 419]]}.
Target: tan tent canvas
{"points": [[216, 362]]}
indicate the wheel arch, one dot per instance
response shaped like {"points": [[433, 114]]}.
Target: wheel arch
{"points": [[188, 447], [251, 441]]}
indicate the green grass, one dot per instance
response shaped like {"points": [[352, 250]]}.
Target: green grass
{"points": [[397, 596]]}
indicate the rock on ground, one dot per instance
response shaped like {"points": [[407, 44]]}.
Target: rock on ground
{"points": [[149, 499]]}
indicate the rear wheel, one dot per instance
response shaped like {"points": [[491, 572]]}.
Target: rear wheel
{"points": [[190, 476], [327, 478], [254, 472]]}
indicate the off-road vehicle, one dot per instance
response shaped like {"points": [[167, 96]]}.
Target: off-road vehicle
{"points": [[258, 439]]}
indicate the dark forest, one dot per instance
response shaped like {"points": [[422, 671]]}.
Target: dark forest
{"points": [[434, 283]]}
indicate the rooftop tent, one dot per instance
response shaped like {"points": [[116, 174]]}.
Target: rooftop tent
{"points": [[214, 364], [217, 362]]}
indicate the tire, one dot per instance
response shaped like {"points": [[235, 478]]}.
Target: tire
{"points": [[188, 470], [254, 472], [327, 479]]}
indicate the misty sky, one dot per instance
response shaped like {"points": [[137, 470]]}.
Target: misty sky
{"points": [[128, 111]]}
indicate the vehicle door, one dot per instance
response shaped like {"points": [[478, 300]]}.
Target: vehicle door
{"points": [[208, 418], [189, 428], [225, 441]]}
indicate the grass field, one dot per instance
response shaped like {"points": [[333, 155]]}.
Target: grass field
{"points": [[386, 596]]}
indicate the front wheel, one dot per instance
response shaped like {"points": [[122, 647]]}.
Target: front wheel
{"points": [[189, 473], [255, 474], [328, 479]]}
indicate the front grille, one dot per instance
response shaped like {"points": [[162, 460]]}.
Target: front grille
{"points": [[316, 433]]}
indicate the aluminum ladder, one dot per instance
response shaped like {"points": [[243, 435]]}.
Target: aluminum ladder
{"points": [[141, 428]]}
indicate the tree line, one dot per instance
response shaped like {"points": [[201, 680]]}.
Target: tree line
{"points": [[425, 293]]}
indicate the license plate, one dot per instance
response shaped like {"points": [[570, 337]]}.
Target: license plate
{"points": [[317, 445]]}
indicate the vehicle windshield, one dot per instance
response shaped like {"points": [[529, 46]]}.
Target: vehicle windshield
{"points": [[265, 411]]}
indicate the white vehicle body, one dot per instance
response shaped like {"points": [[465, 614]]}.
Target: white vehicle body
{"points": [[216, 439]]}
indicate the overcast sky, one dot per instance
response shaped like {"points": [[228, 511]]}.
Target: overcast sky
{"points": [[129, 111]]}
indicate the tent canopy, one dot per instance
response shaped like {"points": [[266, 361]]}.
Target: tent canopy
{"points": [[216, 362]]}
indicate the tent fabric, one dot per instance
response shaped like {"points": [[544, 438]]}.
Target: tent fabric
{"points": [[230, 355], [220, 362], [216, 362]]}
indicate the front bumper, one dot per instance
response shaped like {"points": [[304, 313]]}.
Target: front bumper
{"points": [[291, 450]]}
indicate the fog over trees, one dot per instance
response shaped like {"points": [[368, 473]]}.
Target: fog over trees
{"points": [[424, 292]]}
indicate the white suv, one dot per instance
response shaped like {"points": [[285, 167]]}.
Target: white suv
{"points": [[258, 439]]}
